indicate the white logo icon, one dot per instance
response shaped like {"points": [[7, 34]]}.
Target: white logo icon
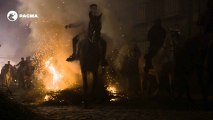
{"points": [[12, 15]]}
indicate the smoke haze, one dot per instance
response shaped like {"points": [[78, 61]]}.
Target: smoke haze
{"points": [[48, 38]]}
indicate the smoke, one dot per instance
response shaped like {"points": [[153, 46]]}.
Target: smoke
{"points": [[49, 39], [13, 35]]}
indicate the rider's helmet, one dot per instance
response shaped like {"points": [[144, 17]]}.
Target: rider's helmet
{"points": [[93, 7]]}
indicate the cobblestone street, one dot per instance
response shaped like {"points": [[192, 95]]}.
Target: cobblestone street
{"points": [[120, 113]]}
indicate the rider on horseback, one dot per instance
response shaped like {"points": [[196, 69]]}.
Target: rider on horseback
{"points": [[156, 37], [94, 28]]}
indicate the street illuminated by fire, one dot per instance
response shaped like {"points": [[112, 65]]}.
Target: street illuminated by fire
{"points": [[106, 59]]}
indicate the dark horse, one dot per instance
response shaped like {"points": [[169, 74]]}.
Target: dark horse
{"points": [[89, 56], [194, 58]]}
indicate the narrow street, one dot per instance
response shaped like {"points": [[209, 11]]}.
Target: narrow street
{"points": [[119, 113]]}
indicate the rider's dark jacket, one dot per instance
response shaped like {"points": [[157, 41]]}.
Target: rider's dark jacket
{"points": [[21, 64], [94, 24], [156, 37]]}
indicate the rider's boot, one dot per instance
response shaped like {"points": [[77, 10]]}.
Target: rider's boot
{"points": [[71, 58]]}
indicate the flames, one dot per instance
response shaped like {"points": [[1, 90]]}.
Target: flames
{"points": [[48, 97], [56, 75], [112, 89], [53, 72]]}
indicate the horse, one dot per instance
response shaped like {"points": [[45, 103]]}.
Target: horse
{"points": [[194, 59], [125, 66], [90, 57], [163, 64]]}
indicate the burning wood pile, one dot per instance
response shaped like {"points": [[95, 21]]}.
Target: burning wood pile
{"points": [[64, 97]]}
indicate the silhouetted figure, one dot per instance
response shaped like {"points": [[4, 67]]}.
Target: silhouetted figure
{"points": [[156, 37], [206, 21], [20, 72], [9, 65], [7, 76], [132, 67], [193, 59], [21, 64], [94, 28], [28, 72], [95, 24], [90, 59]]}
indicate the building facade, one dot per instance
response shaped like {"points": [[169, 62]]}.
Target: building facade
{"points": [[182, 12]]}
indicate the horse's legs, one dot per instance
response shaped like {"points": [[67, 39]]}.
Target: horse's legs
{"points": [[171, 78], [180, 84], [187, 88], [200, 75], [144, 83], [95, 80], [156, 92], [206, 88], [85, 89]]}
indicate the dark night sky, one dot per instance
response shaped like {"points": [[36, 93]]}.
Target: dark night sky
{"points": [[13, 35]]}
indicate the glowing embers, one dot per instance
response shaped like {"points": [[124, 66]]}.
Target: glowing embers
{"points": [[113, 92], [112, 89], [48, 97], [55, 75]]}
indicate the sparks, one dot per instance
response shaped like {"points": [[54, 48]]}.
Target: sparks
{"points": [[112, 89], [56, 76]]}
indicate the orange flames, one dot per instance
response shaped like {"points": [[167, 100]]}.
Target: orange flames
{"points": [[112, 89], [56, 75]]}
